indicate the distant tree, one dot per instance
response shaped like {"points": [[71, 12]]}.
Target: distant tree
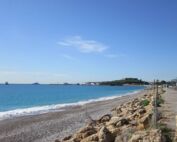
{"points": [[163, 82], [171, 83], [130, 81]]}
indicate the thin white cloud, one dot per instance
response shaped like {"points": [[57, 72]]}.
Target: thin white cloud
{"points": [[111, 55], [84, 46], [66, 56], [114, 55]]}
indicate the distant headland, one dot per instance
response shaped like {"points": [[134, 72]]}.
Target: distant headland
{"points": [[120, 82]]}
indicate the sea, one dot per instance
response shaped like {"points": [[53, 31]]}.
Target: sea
{"points": [[20, 100]]}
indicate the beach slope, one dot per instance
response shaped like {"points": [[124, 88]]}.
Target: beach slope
{"points": [[47, 127]]}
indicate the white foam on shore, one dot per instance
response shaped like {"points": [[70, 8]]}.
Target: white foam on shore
{"points": [[56, 107]]}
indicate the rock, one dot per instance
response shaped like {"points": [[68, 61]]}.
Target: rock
{"points": [[122, 122], [155, 135], [140, 127], [119, 139], [133, 123], [113, 130], [145, 120], [88, 133], [131, 110], [147, 136], [80, 136], [121, 126], [135, 138], [70, 140], [124, 110], [85, 129], [141, 111], [84, 133], [113, 121], [116, 111], [138, 136], [77, 137], [67, 138], [135, 101], [105, 118], [117, 121], [105, 136], [125, 135], [92, 138]]}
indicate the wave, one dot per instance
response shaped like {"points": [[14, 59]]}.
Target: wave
{"points": [[56, 107]]}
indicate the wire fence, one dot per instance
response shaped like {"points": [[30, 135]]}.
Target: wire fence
{"points": [[156, 91], [154, 103]]}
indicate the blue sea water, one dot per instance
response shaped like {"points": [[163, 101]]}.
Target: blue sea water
{"points": [[17, 100]]}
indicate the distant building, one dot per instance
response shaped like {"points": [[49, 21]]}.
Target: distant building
{"points": [[172, 83], [92, 83]]}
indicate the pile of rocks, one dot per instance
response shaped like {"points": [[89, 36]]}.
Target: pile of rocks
{"points": [[127, 122]]}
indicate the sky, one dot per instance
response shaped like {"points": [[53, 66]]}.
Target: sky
{"points": [[87, 40]]}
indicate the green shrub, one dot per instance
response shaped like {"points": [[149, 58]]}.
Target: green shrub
{"points": [[159, 102], [144, 103], [166, 132]]}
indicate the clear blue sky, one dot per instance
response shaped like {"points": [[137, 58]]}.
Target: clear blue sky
{"points": [[52, 41]]}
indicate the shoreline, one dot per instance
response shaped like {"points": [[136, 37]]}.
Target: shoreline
{"points": [[36, 110], [49, 126]]}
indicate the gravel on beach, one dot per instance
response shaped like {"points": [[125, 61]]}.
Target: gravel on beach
{"points": [[49, 126]]}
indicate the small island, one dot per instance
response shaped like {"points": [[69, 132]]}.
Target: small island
{"points": [[36, 83], [6, 83]]}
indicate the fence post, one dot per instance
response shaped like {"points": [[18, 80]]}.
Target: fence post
{"points": [[176, 129], [155, 106], [154, 115]]}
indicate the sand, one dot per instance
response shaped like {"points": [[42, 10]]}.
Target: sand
{"points": [[50, 126], [169, 108]]}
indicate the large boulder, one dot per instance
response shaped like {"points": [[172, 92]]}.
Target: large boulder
{"points": [[147, 136], [122, 122], [146, 119], [124, 110], [113, 130], [67, 138], [141, 111], [86, 129], [105, 118], [84, 133], [136, 138], [105, 136], [118, 121], [113, 121], [92, 138]]}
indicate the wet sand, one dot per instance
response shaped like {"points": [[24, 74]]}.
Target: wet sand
{"points": [[50, 126]]}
